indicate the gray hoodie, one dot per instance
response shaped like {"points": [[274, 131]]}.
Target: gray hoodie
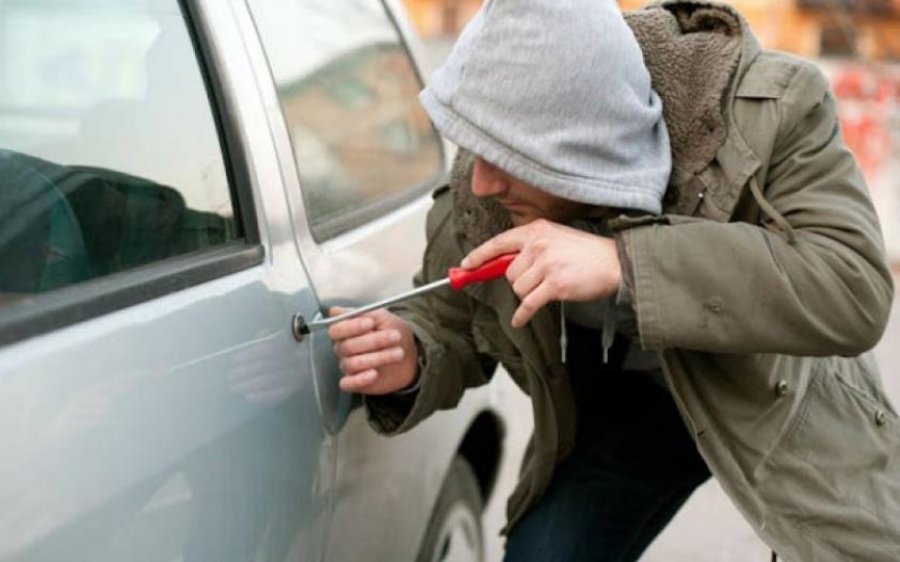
{"points": [[555, 92]]}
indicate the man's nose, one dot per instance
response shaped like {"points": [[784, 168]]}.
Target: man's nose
{"points": [[487, 180]]}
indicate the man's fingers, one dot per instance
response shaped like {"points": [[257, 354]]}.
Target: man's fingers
{"points": [[351, 327], [533, 302], [381, 316], [527, 282], [365, 361], [357, 383], [523, 263], [366, 343], [507, 242]]}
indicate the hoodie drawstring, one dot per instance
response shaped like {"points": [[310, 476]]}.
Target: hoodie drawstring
{"points": [[563, 338], [608, 333], [607, 336]]}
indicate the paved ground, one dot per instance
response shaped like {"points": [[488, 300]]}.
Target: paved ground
{"points": [[708, 528]]}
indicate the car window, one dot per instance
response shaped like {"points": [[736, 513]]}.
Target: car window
{"points": [[349, 95], [109, 152]]}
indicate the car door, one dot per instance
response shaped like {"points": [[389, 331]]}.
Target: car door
{"points": [[154, 404], [359, 155], [360, 158]]}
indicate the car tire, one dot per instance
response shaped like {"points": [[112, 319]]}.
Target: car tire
{"points": [[455, 530]]}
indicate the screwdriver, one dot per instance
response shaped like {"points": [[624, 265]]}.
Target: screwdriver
{"points": [[457, 278]]}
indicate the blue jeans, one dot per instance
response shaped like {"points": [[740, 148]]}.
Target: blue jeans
{"points": [[633, 466]]}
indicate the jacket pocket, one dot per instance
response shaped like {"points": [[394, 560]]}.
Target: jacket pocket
{"points": [[835, 476]]}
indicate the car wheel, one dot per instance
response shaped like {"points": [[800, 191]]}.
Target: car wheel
{"points": [[454, 532]]}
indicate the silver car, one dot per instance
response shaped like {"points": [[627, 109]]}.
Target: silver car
{"points": [[182, 183]]}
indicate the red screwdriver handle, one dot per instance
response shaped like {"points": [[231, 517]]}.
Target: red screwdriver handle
{"points": [[493, 269]]}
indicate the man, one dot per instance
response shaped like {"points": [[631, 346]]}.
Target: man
{"points": [[725, 335]]}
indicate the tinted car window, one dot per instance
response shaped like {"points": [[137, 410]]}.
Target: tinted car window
{"points": [[109, 152], [348, 92]]}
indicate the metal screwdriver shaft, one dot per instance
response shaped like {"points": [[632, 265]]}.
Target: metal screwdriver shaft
{"points": [[456, 279], [325, 322]]}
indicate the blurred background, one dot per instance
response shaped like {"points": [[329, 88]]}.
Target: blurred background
{"points": [[857, 45]]}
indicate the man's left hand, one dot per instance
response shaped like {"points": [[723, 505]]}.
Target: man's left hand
{"points": [[555, 262]]}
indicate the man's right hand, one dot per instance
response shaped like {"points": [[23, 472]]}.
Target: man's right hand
{"points": [[376, 350]]}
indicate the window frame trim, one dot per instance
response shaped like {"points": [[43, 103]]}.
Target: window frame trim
{"points": [[358, 217], [43, 313], [233, 152], [52, 311]]}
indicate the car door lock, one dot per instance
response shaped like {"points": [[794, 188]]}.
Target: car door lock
{"points": [[299, 327]]}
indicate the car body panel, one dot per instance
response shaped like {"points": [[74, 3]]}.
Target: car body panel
{"points": [[101, 417], [400, 476], [194, 426]]}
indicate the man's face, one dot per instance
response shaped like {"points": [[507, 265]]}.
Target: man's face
{"points": [[524, 202]]}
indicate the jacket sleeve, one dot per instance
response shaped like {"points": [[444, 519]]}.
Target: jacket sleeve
{"points": [[441, 323], [746, 288]]}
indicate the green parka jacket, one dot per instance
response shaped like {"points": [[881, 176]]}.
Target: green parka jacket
{"points": [[760, 286]]}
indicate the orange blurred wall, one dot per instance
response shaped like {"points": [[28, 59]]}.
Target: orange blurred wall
{"points": [[779, 24], [435, 18]]}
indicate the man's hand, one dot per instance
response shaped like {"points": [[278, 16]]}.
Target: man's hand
{"points": [[555, 262], [377, 352]]}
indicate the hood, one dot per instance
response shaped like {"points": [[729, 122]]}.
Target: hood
{"points": [[694, 52], [555, 93]]}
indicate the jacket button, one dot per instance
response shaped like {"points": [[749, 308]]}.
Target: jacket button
{"points": [[781, 388], [880, 418]]}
